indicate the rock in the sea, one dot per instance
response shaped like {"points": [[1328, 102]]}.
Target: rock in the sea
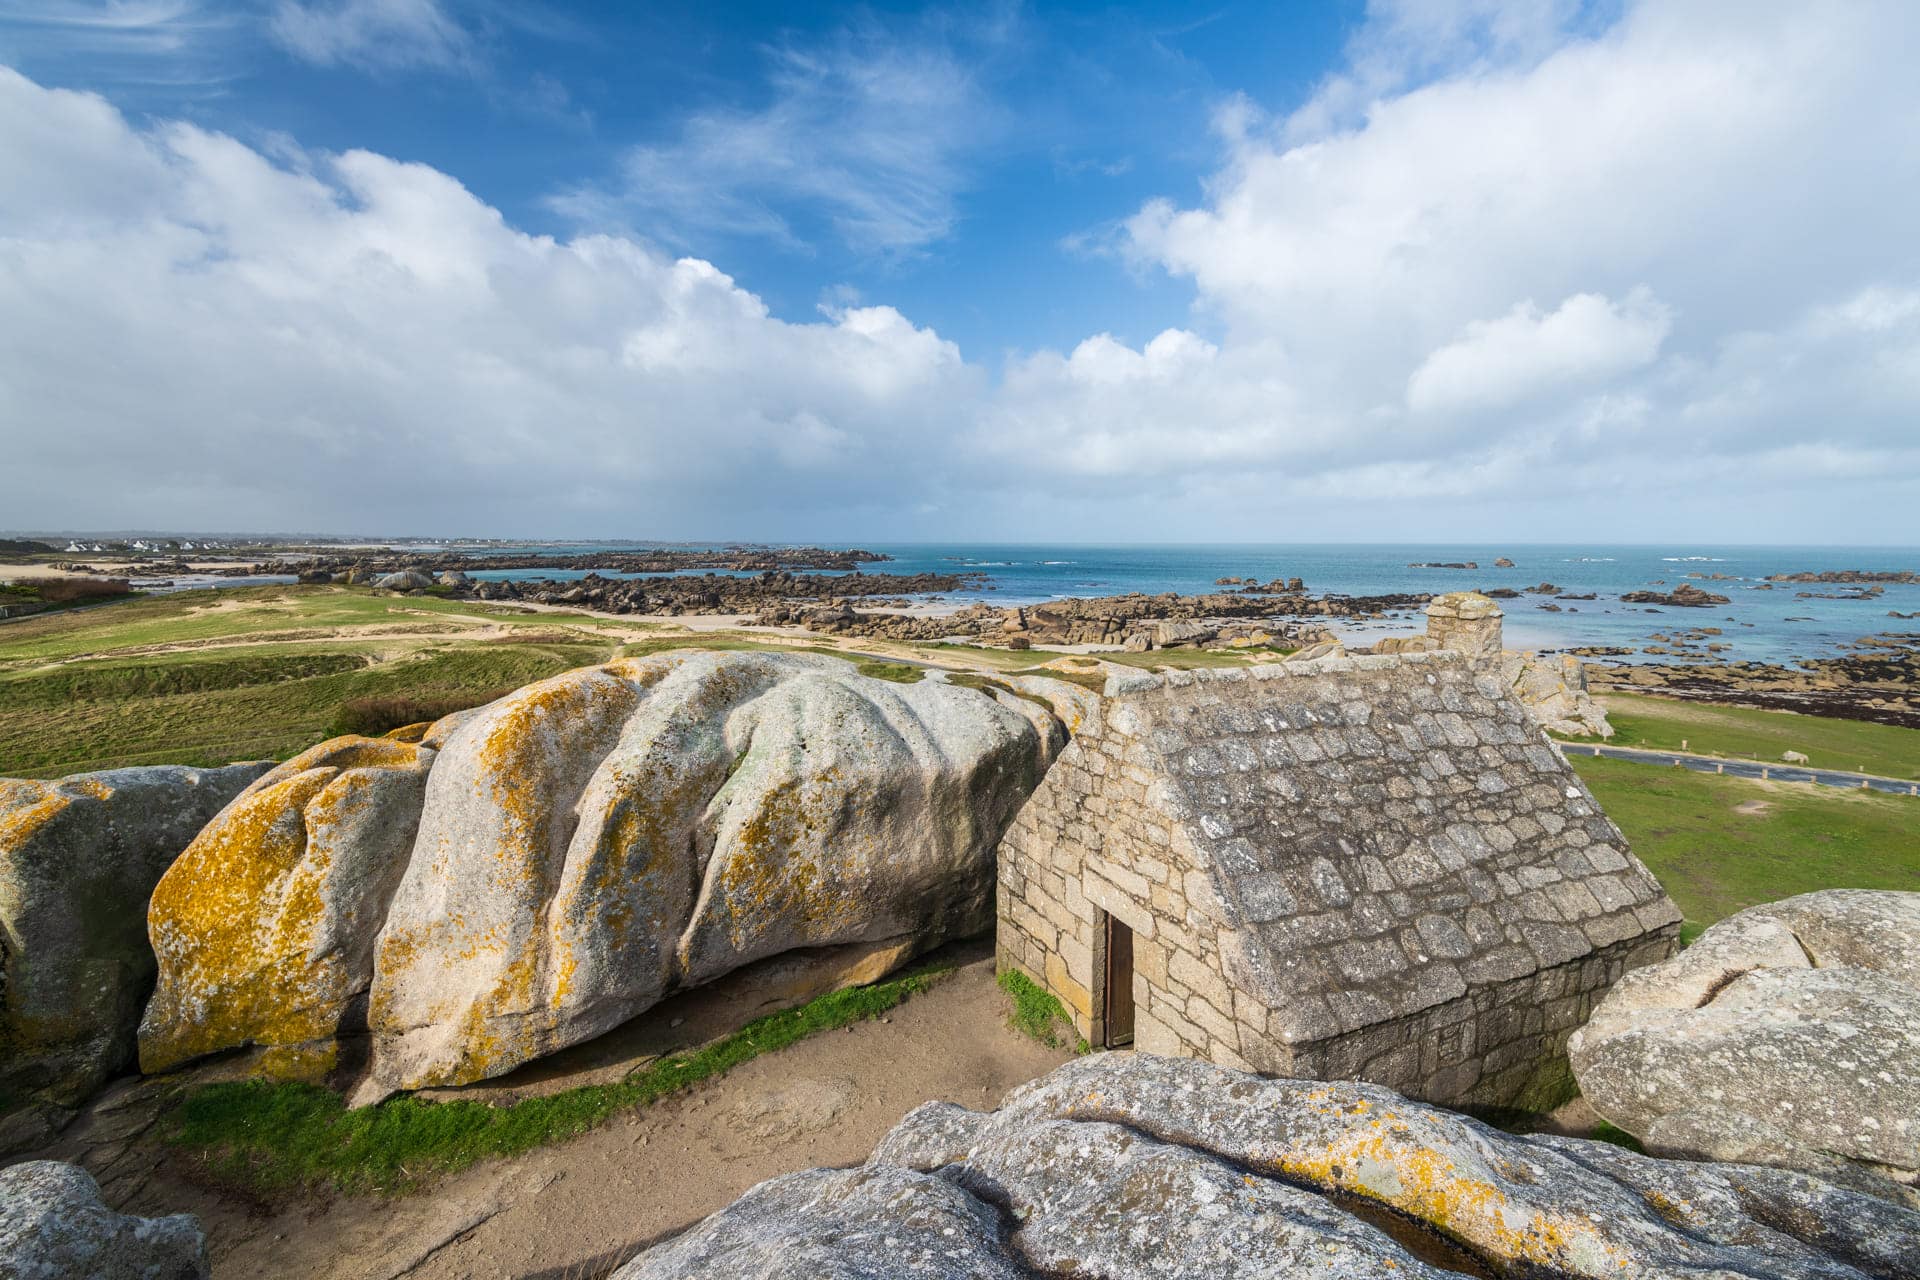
{"points": [[1127, 1165], [539, 870], [265, 926], [53, 1226], [78, 861], [1786, 1035]]}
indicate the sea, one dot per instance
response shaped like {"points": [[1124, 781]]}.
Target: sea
{"points": [[1778, 625]]}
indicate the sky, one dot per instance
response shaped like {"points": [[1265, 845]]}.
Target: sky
{"points": [[1401, 270]]}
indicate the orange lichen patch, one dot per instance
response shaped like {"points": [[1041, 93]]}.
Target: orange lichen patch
{"points": [[254, 937], [408, 732], [777, 866], [26, 808], [351, 751], [1384, 1160]]}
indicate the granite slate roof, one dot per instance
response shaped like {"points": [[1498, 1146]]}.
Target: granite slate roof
{"points": [[1385, 832]]}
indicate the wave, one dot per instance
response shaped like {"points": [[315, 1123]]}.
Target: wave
{"points": [[1694, 559]]}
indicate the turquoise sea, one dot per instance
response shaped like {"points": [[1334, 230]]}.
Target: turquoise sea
{"points": [[1765, 625]]}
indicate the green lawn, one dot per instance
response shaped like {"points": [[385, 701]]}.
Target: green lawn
{"points": [[1751, 733], [1720, 844]]}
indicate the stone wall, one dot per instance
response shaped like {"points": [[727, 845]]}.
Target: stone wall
{"points": [[1366, 868]]}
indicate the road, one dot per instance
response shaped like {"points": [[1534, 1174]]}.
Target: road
{"points": [[1747, 768]]}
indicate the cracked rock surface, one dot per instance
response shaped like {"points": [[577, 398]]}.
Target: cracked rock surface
{"points": [[1787, 1035], [1127, 1165], [53, 1226]]}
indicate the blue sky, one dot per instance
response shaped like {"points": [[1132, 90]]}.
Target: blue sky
{"points": [[1064, 120], [1367, 268]]}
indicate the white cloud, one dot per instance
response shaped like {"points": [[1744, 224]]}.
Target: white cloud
{"points": [[196, 335], [869, 133], [380, 34], [1528, 353], [1657, 277]]}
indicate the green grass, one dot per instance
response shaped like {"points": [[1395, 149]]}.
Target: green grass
{"points": [[1751, 733], [209, 707], [279, 1137], [1722, 844], [1037, 1014]]}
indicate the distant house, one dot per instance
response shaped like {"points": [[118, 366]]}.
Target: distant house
{"points": [[1349, 868]]}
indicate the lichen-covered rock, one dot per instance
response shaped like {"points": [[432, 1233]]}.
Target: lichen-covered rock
{"points": [[597, 839], [1554, 692], [264, 927], [53, 1226], [78, 860], [1787, 1035], [1127, 1165]]}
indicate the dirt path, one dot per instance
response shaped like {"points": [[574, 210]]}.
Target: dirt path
{"points": [[578, 1209]]}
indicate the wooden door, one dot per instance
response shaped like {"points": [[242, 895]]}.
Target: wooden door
{"points": [[1119, 1002]]}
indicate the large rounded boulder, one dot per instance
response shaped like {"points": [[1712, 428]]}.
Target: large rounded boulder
{"points": [[1786, 1035], [540, 870], [1130, 1166], [264, 927], [79, 859]]}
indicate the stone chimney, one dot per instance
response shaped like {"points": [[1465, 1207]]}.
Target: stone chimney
{"points": [[1467, 623]]}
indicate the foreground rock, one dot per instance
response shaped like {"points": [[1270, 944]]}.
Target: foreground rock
{"points": [[78, 860], [53, 1226], [264, 928], [1125, 1165], [1787, 1035], [535, 872]]}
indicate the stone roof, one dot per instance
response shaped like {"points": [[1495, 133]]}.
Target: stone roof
{"points": [[1384, 832]]}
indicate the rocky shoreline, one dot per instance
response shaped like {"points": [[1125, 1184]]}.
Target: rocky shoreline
{"points": [[1879, 682]]}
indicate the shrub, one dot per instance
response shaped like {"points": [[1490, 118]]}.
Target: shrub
{"points": [[68, 590], [383, 713]]}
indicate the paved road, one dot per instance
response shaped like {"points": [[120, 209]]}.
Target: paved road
{"points": [[1747, 768]]}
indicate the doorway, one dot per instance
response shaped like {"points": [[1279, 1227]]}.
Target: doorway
{"points": [[1119, 993]]}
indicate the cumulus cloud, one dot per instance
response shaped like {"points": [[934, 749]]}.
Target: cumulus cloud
{"points": [[197, 335], [1650, 277], [1528, 353]]}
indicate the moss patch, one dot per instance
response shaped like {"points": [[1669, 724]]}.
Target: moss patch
{"points": [[1037, 1014], [265, 1137]]}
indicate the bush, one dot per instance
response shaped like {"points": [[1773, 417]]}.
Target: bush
{"points": [[67, 590], [384, 713]]}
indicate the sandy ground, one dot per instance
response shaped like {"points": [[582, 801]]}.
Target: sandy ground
{"points": [[580, 1208]]}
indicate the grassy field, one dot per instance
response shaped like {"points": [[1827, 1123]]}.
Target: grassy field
{"points": [[206, 677], [1751, 733], [1721, 844]]}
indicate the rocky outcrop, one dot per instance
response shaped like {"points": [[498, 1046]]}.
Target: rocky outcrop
{"points": [[1127, 1165], [53, 1226], [1684, 596], [1553, 688], [1880, 681], [79, 859], [1786, 1035], [536, 871]]}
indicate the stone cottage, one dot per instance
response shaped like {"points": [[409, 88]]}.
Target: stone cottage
{"points": [[1366, 868]]}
